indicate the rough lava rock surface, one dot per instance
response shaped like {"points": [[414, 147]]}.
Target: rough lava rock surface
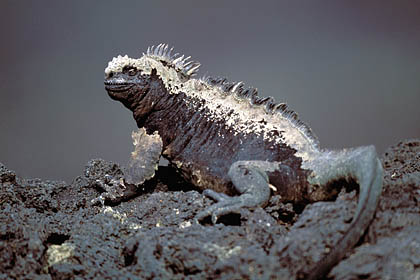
{"points": [[54, 230]]}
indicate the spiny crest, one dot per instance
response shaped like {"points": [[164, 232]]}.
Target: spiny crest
{"points": [[162, 54], [182, 64], [270, 106]]}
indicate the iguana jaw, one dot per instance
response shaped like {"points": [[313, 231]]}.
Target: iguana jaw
{"points": [[114, 88], [119, 92]]}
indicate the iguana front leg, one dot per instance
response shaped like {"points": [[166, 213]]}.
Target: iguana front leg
{"points": [[141, 167]]}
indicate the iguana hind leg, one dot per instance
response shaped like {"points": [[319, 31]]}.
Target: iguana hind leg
{"points": [[251, 181]]}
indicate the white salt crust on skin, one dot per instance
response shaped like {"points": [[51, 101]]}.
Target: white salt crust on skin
{"points": [[221, 104]]}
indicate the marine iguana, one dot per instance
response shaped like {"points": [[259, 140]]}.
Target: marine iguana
{"points": [[226, 140]]}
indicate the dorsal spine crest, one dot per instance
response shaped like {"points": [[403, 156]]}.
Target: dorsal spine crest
{"points": [[181, 63]]}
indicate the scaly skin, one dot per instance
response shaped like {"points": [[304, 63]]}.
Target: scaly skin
{"points": [[226, 140]]}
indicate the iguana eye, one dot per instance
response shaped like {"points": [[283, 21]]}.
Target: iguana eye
{"points": [[132, 72]]}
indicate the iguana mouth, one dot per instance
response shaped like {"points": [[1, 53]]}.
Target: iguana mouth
{"points": [[117, 87]]}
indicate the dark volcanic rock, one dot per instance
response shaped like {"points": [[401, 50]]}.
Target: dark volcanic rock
{"points": [[54, 230]]}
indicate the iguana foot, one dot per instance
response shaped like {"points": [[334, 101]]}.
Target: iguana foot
{"points": [[225, 205], [250, 180]]}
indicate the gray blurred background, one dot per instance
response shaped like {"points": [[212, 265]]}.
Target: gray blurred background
{"points": [[350, 69]]}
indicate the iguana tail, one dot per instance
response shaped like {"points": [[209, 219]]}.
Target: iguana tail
{"points": [[363, 165]]}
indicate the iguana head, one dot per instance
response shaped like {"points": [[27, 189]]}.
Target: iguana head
{"points": [[129, 80], [123, 85]]}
